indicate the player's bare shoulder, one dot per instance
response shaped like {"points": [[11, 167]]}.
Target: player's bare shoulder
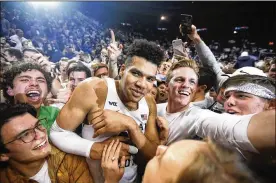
{"points": [[94, 83]]}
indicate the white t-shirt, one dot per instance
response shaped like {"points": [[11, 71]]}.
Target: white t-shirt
{"points": [[227, 129], [204, 104], [42, 176]]}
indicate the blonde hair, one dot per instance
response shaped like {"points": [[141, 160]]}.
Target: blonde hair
{"points": [[182, 63], [219, 165]]}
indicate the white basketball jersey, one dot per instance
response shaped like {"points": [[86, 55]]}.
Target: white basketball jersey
{"points": [[114, 103]]}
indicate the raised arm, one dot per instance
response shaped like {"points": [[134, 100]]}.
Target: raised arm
{"points": [[254, 133], [206, 56], [113, 53]]}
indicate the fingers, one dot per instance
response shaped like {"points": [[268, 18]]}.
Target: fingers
{"points": [[108, 151], [118, 149], [104, 155], [122, 164], [193, 28], [112, 36], [99, 125], [99, 132], [124, 149], [113, 151], [97, 118]]}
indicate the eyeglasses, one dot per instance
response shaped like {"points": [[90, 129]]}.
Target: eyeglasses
{"points": [[28, 135]]}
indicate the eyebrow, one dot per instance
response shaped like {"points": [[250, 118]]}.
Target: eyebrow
{"points": [[29, 77], [27, 129], [141, 72]]}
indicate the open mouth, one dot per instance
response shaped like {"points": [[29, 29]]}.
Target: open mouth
{"points": [[41, 145], [33, 95], [184, 93], [231, 112]]}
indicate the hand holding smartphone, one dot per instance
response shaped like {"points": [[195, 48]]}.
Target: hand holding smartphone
{"points": [[186, 24]]}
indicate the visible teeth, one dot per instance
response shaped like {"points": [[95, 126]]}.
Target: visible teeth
{"points": [[184, 93], [33, 92], [44, 142]]}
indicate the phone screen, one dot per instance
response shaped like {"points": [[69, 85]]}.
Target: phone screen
{"points": [[186, 23]]}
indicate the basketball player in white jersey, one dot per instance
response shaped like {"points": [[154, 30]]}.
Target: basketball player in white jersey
{"points": [[113, 107]]}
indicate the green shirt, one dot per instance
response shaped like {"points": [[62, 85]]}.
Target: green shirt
{"points": [[50, 113]]}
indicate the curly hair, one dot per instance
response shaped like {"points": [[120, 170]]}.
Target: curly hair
{"points": [[146, 49], [17, 69]]}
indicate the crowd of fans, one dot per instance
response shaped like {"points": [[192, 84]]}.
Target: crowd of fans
{"points": [[84, 103]]}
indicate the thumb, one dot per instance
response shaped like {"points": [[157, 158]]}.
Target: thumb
{"points": [[193, 28]]}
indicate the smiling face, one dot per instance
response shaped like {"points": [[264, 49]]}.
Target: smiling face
{"points": [[182, 86], [137, 79], [241, 103], [18, 150], [30, 87]]}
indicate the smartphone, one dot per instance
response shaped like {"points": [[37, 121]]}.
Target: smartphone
{"points": [[186, 24], [177, 46]]}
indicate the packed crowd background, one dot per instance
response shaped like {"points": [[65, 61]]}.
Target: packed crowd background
{"points": [[61, 49]]}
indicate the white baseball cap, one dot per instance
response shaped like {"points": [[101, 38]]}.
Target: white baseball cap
{"points": [[248, 71], [244, 71]]}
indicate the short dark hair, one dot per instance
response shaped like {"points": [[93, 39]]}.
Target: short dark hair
{"points": [[80, 68], [206, 77], [145, 49], [17, 69], [8, 111], [15, 52]]}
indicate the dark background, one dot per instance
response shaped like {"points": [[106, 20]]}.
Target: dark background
{"points": [[220, 18]]}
